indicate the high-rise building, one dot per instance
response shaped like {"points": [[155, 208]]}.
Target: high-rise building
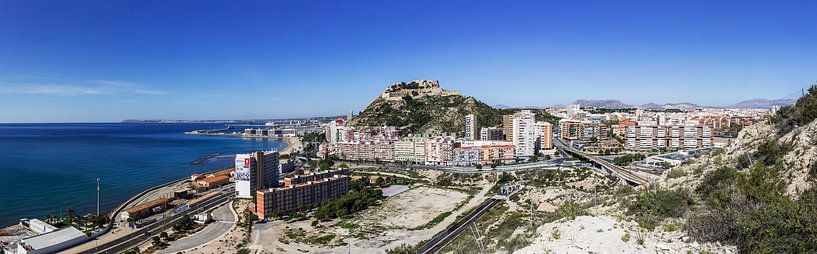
{"points": [[547, 136], [349, 116], [526, 133], [254, 171], [470, 123], [507, 127]]}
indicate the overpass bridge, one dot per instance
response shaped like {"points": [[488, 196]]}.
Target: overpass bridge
{"points": [[627, 175]]}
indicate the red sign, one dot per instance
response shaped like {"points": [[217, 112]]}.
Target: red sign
{"points": [[246, 161]]}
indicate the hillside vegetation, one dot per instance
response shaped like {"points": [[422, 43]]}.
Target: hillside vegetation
{"points": [[422, 106], [758, 194]]}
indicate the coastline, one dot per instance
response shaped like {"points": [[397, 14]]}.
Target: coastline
{"points": [[293, 144]]}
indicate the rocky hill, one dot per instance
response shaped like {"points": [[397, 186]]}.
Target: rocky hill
{"points": [[758, 193], [424, 106]]}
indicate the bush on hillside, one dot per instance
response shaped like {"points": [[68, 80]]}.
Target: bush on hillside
{"points": [[799, 114], [752, 211], [650, 208]]}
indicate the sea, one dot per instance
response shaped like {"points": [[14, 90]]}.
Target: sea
{"points": [[47, 168]]}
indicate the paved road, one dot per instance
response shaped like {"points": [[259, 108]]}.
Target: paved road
{"points": [[621, 172], [223, 221], [551, 164], [144, 233]]}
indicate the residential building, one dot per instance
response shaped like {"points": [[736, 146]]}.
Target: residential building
{"points": [[571, 129], [507, 127], [491, 133], [505, 154], [440, 150], [646, 137], [526, 133], [467, 156], [255, 171], [411, 149], [547, 136], [302, 192], [470, 124]]}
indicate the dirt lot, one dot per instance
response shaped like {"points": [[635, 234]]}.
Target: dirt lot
{"points": [[405, 218], [413, 208]]}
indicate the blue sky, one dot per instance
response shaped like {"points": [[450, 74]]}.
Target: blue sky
{"points": [[68, 61]]}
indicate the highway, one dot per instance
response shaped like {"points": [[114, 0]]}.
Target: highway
{"points": [[442, 239], [616, 170], [551, 164], [153, 229]]}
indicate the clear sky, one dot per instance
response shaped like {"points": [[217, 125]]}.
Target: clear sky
{"points": [[68, 61]]}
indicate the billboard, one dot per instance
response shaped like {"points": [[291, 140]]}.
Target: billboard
{"points": [[243, 165]]}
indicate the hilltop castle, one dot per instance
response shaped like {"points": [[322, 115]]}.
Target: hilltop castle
{"points": [[415, 89]]}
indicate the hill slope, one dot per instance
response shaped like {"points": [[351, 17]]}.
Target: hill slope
{"points": [[423, 106]]}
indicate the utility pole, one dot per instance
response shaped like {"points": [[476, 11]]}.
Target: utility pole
{"points": [[97, 196]]}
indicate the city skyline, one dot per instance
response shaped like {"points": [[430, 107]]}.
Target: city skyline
{"points": [[105, 62]]}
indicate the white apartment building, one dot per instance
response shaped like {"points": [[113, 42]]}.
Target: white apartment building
{"points": [[470, 123], [645, 137], [411, 149], [526, 133]]}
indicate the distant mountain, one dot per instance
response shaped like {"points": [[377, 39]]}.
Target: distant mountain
{"points": [[762, 103], [602, 103], [682, 105], [651, 106], [501, 106], [423, 106]]}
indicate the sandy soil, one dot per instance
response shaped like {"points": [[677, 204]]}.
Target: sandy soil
{"points": [[377, 229], [606, 234], [414, 208]]}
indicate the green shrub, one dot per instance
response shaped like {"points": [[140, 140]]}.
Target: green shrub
{"points": [[757, 215], [675, 173], [801, 113], [650, 208], [626, 237], [571, 210]]}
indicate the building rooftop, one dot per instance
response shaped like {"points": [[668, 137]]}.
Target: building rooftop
{"points": [[148, 205], [53, 238], [215, 179]]}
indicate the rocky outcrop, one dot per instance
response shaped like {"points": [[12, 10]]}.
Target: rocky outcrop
{"points": [[415, 89], [423, 106]]}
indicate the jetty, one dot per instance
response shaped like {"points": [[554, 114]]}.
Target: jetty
{"points": [[205, 158]]}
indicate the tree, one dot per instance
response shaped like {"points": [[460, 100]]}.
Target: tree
{"points": [[69, 219], [156, 242], [164, 235]]}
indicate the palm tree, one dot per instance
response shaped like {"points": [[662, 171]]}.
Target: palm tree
{"points": [[70, 217]]}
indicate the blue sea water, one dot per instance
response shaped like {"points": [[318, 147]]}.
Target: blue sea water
{"points": [[47, 168]]}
